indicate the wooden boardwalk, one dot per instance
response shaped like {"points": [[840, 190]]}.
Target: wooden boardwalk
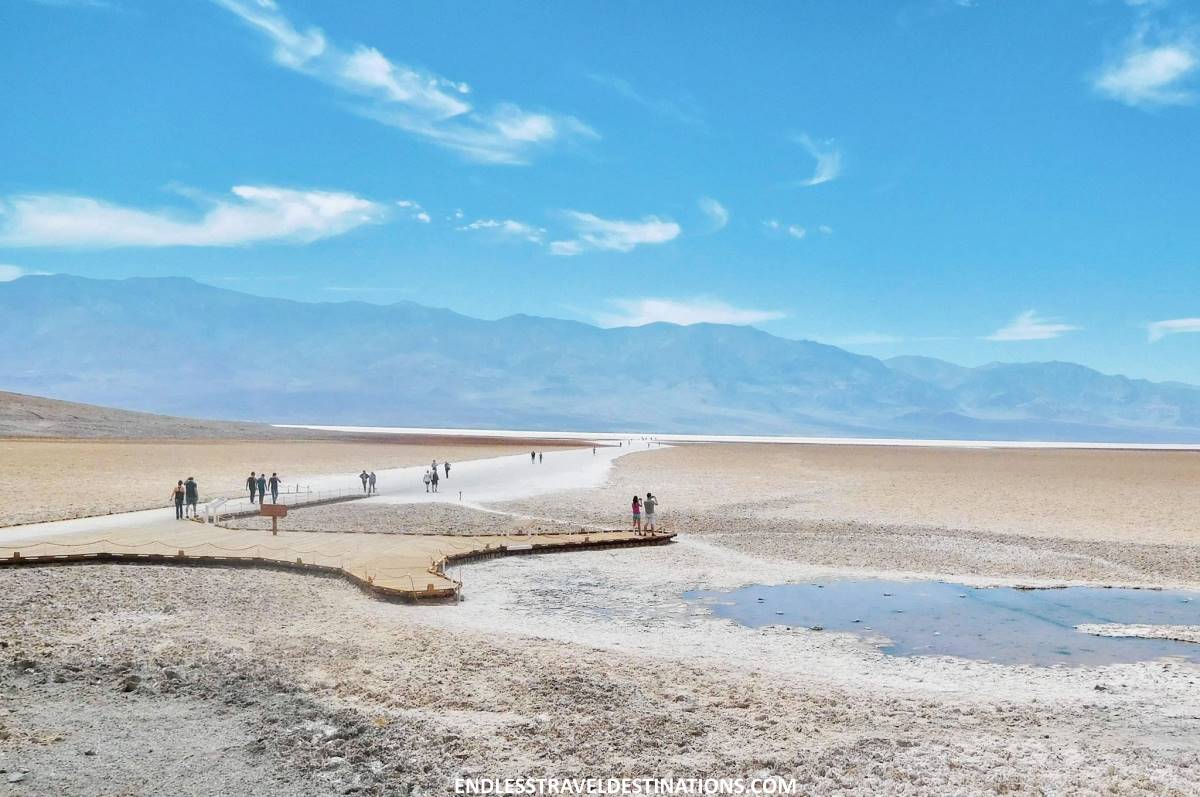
{"points": [[395, 566]]}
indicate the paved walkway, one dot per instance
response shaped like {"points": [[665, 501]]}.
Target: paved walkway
{"points": [[393, 565]]}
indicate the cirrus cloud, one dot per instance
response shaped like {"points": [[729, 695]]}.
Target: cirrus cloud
{"points": [[637, 312], [717, 213], [414, 100], [1030, 326], [255, 214], [828, 158], [1175, 326], [615, 235]]}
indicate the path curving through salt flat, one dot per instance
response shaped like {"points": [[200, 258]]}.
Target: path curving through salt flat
{"points": [[480, 481]]}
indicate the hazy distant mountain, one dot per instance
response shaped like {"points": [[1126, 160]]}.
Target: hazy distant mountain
{"points": [[176, 346]]}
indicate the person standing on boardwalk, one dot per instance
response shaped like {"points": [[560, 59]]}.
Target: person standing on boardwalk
{"points": [[371, 482], [192, 494], [637, 514], [262, 487], [252, 484], [649, 504], [428, 481], [433, 478], [178, 493], [274, 482], [447, 466], [364, 478]]}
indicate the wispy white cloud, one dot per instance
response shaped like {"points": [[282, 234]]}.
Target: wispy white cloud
{"points": [[636, 312], [828, 158], [615, 235], [1030, 326], [419, 102], [1151, 69], [507, 228], [255, 214], [414, 209], [680, 111], [9, 272], [717, 213], [794, 230], [825, 229], [1175, 326]]}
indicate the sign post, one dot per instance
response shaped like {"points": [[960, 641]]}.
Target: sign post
{"points": [[273, 511]]}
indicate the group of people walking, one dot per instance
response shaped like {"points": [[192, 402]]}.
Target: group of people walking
{"points": [[643, 513], [186, 495], [259, 484], [431, 477], [368, 481]]}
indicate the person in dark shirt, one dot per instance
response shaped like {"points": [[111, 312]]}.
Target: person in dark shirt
{"points": [[262, 487], [178, 494], [252, 484], [192, 493], [447, 470], [274, 483]]}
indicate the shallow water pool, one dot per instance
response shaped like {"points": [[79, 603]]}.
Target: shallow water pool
{"points": [[1003, 625]]}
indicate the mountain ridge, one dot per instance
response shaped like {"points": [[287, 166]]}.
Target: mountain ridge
{"points": [[177, 346]]}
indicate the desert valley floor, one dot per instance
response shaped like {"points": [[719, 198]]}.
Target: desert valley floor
{"points": [[151, 679]]}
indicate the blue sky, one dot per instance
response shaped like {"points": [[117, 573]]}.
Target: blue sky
{"points": [[975, 181]]}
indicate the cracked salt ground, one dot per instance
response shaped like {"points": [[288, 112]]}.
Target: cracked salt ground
{"points": [[1002, 625]]}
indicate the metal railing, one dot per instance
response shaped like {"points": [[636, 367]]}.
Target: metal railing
{"points": [[226, 507]]}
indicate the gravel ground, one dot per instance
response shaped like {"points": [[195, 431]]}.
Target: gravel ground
{"points": [[216, 682], [838, 507], [208, 681], [368, 516]]}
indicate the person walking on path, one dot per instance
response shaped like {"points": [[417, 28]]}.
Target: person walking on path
{"points": [[178, 493], [192, 494], [637, 514], [649, 505], [434, 479], [371, 482], [539, 458], [274, 483], [252, 484], [364, 478], [428, 481], [447, 466], [532, 457]]}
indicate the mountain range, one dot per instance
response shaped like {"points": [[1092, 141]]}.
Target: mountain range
{"points": [[173, 345]]}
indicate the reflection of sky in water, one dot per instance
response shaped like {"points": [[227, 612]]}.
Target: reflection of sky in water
{"points": [[1003, 625]]}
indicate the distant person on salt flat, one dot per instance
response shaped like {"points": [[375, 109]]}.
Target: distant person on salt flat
{"points": [[428, 481], [192, 492], [649, 505], [447, 467], [371, 482], [178, 493], [365, 478], [252, 484], [532, 457], [262, 487], [433, 479], [274, 483], [539, 457]]}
